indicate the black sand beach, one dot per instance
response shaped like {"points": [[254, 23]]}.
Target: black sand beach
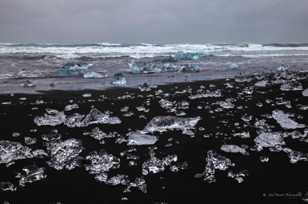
{"points": [[238, 140]]}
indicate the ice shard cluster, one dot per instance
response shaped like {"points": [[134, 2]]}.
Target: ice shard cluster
{"points": [[134, 140]]}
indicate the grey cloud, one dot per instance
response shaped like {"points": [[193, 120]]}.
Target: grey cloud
{"points": [[158, 21]]}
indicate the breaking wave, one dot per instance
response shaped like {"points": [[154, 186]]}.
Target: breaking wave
{"points": [[143, 50]]}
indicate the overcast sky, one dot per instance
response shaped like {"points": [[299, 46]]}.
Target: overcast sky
{"points": [[153, 21]]}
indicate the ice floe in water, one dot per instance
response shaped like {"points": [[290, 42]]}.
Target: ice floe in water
{"points": [[165, 123], [269, 139], [284, 120], [12, 151], [73, 69], [139, 138], [64, 154], [214, 162], [233, 149], [119, 80], [31, 174]]}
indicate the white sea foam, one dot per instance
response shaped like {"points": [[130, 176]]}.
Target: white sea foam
{"points": [[149, 50]]}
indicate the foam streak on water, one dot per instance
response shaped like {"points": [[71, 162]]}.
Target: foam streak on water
{"points": [[151, 50]]}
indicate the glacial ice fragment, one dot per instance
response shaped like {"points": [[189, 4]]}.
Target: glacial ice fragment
{"points": [[138, 183], [261, 84], [291, 86], [239, 177], [50, 119], [269, 139], [139, 138], [93, 75], [215, 162], [7, 186], [155, 165], [71, 107], [31, 174], [101, 162], [295, 156], [12, 151], [165, 123], [73, 69], [305, 93], [95, 116], [64, 154], [233, 149], [284, 121], [119, 80]]}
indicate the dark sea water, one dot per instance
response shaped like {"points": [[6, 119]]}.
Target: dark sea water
{"points": [[110, 123]]}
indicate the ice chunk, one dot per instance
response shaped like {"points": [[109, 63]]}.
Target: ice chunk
{"points": [[93, 75], [269, 139], [117, 180], [53, 118], [73, 69], [139, 138], [291, 86], [165, 123], [95, 116], [64, 154], [74, 120], [233, 149], [134, 68], [119, 80], [227, 104], [101, 162], [305, 92], [233, 65], [215, 162], [7, 186], [239, 177], [97, 134], [12, 151], [284, 121], [138, 183], [31, 174], [208, 94], [167, 105], [155, 165], [30, 140], [159, 67], [261, 84], [71, 107], [52, 136], [295, 156]]}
